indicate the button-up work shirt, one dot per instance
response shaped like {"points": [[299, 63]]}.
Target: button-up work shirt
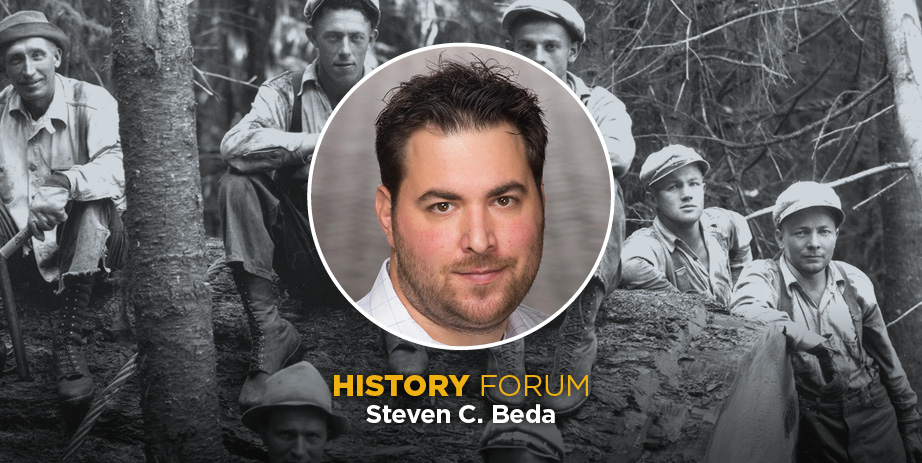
{"points": [[261, 142], [655, 258], [77, 136], [613, 121], [757, 296], [383, 305]]}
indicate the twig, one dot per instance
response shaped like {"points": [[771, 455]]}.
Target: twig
{"points": [[727, 24], [905, 314], [230, 79], [862, 203], [842, 181], [823, 28]]}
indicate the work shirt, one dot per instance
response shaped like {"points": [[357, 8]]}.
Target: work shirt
{"points": [[611, 116], [77, 136], [655, 258], [261, 142], [383, 305], [757, 296]]}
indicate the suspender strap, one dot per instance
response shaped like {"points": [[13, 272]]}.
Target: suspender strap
{"points": [[295, 125], [786, 305]]}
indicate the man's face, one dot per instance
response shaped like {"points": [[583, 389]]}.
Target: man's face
{"points": [[30, 65], [295, 434], [808, 239], [547, 43], [679, 197], [342, 37], [467, 227]]}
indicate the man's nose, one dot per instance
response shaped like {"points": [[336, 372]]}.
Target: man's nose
{"points": [[344, 49], [29, 68], [300, 448], [541, 56], [479, 235], [814, 240]]}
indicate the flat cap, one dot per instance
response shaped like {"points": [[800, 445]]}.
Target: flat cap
{"points": [[541, 439], [558, 10], [299, 385], [804, 195], [27, 24], [373, 5], [668, 160]]}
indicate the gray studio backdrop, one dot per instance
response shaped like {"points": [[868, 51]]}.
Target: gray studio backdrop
{"points": [[576, 181]]}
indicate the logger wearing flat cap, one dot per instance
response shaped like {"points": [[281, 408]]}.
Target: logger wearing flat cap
{"points": [[856, 404], [263, 196], [551, 33], [294, 415], [61, 176], [689, 248]]}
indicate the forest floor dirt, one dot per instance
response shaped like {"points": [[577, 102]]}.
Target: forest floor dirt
{"points": [[664, 368]]}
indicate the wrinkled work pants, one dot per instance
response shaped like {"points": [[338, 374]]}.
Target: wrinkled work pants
{"points": [[861, 428], [93, 236], [609, 271], [266, 228]]}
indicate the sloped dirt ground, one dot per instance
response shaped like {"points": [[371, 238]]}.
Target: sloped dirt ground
{"points": [[665, 367]]}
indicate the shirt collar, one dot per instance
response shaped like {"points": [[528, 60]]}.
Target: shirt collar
{"points": [[832, 274], [578, 86], [310, 74]]}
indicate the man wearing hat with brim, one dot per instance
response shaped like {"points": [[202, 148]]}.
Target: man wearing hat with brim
{"points": [[689, 248], [61, 176], [551, 33], [294, 415], [856, 404], [521, 443], [263, 196]]}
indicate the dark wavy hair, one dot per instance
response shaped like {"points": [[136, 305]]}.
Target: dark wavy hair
{"points": [[332, 5], [456, 97]]}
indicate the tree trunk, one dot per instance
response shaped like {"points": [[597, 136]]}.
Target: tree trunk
{"points": [[901, 209], [153, 74], [903, 38]]}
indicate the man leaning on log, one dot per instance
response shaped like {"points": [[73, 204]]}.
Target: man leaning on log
{"points": [[689, 248], [856, 404], [61, 176], [263, 196]]}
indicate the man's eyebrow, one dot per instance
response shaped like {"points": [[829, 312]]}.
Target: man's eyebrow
{"points": [[512, 186], [438, 194]]}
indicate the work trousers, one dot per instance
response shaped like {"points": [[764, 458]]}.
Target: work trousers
{"points": [[93, 236], [608, 272], [861, 428], [265, 228]]}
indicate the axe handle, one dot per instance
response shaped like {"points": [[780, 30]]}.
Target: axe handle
{"points": [[12, 321], [15, 243]]}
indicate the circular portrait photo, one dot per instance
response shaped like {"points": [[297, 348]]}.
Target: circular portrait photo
{"points": [[460, 196]]}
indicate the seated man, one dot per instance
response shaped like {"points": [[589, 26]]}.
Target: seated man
{"points": [[61, 176], [688, 248], [855, 400], [294, 415], [521, 443], [461, 154], [263, 196]]}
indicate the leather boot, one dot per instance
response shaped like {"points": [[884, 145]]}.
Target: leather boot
{"points": [[275, 343], [506, 360], [404, 357], [577, 346], [75, 383]]}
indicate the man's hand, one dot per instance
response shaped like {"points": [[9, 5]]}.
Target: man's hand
{"points": [[912, 441], [47, 210], [836, 384]]}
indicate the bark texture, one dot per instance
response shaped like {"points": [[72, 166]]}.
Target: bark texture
{"points": [[153, 75], [903, 38]]}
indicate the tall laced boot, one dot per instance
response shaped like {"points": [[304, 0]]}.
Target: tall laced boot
{"points": [[275, 343], [502, 361], [75, 383], [577, 346], [404, 357]]}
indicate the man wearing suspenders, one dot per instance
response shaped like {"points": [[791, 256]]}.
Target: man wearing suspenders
{"points": [[263, 196], [856, 404]]}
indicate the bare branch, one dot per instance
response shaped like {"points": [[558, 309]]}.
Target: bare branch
{"points": [[875, 195]]}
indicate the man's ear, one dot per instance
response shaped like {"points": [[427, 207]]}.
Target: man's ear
{"points": [[778, 238], [383, 207], [575, 47], [650, 197], [57, 57], [372, 37]]}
